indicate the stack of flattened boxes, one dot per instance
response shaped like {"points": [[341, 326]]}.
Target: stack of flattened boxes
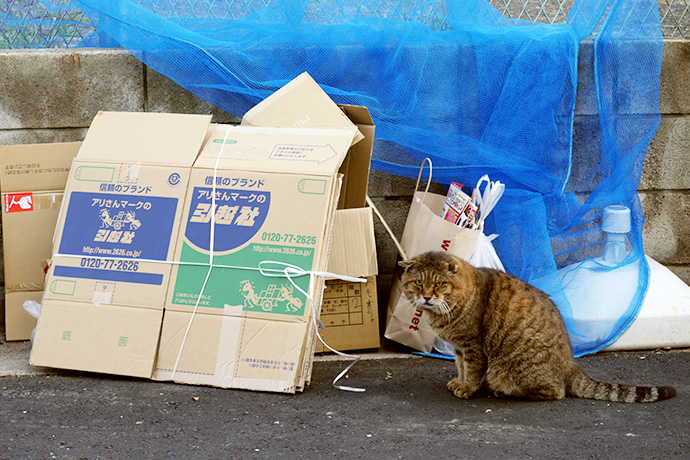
{"points": [[143, 284]]}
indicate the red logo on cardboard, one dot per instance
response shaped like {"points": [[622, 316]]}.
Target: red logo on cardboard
{"points": [[19, 202]]}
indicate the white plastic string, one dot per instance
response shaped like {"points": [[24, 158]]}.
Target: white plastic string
{"points": [[212, 240], [493, 191], [290, 270], [295, 270], [388, 229]]}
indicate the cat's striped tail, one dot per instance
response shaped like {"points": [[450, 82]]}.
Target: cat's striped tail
{"points": [[583, 386]]}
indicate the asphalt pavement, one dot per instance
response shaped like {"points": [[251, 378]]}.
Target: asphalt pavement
{"points": [[405, 412]]}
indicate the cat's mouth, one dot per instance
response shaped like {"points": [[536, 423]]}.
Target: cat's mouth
{"points": [[434, 306], [430, 304]]}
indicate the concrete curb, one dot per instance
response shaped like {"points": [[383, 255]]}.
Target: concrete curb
{"points": [[14, 358]]}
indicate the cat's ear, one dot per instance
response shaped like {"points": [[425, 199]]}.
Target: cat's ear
{"points": [[405, 263], [452, 267]]}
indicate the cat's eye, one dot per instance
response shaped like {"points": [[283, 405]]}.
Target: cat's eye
{"points": [[440, 283], [418, 282]]}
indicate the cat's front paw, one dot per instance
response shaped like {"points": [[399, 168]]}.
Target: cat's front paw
{"points": [[460, 390]]}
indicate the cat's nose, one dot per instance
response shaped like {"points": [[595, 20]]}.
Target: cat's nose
{"points": [[427, 298]]}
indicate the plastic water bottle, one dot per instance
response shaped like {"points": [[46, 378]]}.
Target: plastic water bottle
{"points": [[616, 223]]}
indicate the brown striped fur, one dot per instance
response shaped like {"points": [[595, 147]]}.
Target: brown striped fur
{"points": [[508, 335]]}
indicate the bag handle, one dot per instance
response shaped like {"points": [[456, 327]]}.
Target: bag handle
{"points": [[383, 221], [388, 229], [428, 180]]}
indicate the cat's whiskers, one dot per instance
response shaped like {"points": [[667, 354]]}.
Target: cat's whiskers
{"points": [[445, 308]]}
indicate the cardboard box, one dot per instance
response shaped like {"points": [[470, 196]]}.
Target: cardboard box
{"points": [[33, 179], [349, 310], [303, 104]]}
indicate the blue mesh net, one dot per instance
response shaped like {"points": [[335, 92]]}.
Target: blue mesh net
{"points": [[476, 92]]}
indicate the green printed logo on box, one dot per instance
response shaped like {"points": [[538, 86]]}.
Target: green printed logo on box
{"points": [[227, 141], [312, 186], [63, 287], [236, 279]]}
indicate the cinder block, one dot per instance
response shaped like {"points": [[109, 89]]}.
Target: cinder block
{"points": [[383, 291], [631, 95], [164, 95], [666, 234], [394, 211], [66, 88], [41, 136], [667, 164], [675, 77], [385, 184]]}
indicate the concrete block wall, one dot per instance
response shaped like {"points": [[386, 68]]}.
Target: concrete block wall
{"points": [[52, 96]]}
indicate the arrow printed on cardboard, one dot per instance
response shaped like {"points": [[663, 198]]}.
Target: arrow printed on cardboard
{"points": [[314, 153]]}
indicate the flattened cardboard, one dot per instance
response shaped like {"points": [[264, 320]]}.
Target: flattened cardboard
{"points": [[233, 340], [133, 138], [36, 167], [300, 104], [19, 323], [303, 104], [32, 179], [126, 207], [116, 233], [27, 239], [231, 351], [353, 252], [104, 338], [356, 167], [291, 201], [350, 310], [292, 106]]}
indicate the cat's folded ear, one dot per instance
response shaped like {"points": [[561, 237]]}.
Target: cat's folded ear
{"points": [[405, 263]]}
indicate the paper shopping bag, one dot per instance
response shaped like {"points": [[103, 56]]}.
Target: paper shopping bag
{"points": [[425, 230]]}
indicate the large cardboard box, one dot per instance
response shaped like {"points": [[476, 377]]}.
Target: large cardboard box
{"points": [[349, 310], [33, 179]]}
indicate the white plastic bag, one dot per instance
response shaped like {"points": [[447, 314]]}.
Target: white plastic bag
{"points": [[34, 309], [484, 254]]}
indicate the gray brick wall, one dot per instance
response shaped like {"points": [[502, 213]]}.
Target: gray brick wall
{"points": [[52, 95]]}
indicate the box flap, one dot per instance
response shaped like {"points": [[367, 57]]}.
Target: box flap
{"points": [[145, 137], [353, 251], [299, 104], [358, 115], [108, 338], [36, 167], [356, 166], [283, 150]]}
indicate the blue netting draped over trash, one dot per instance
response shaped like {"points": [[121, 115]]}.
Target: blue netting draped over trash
{"points": [[476, 92]]}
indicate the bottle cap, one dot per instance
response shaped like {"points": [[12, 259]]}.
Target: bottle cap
{"points": [[616, 219]]}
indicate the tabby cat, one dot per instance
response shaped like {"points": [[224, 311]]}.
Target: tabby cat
{"points": [[507, 334]]}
